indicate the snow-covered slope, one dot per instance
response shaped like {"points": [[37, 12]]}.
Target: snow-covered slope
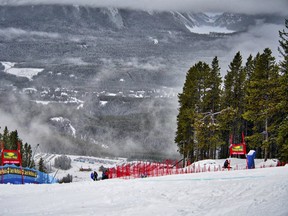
{"points": [[258, 192], [9, 67], [88, 163]]}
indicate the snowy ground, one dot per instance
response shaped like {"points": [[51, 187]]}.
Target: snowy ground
{"points": [[9, 67], [209, 29], [262, 191]]}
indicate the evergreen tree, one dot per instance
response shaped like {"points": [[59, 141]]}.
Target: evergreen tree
{"points": [[249, 67], [232, 122], [282, 139], [261, 102], [5, 138], [62, 162], [197, 133], [254, 100], [213, 88], [282, 136], [232, 82], [190, 105], [14, 140], [209, 131], [11, 141], [41, 165], [27, 160], [283, 49]]}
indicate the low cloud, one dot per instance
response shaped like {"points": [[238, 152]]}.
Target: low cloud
{"points": [[12, 33], [152, 64], [31, 129], [32, 133], [255, 40], [236, 6]]}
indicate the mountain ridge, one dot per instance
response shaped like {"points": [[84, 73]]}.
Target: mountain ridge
{"points": [[89, 54]]}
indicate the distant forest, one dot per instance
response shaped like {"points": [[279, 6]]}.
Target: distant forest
{"points": [[252, 99]]}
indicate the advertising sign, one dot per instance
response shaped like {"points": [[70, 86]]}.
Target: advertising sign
{"points": [[18, 171], [237, 149], [11, 157]]}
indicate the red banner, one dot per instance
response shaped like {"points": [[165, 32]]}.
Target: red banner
{"points": [[237, 149], [11, 157]]}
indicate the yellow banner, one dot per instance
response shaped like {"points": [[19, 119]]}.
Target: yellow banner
{"points": [[237, 148], [10, 155]]}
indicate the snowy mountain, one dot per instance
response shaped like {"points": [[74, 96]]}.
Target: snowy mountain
{"points": [[77, 19], [105, 78]]}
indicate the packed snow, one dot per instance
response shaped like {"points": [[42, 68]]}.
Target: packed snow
{"points": [[260, 191]]}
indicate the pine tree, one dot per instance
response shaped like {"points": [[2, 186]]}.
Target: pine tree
{"points": [[11, 141], [232, 122], [209, 132], [282, 137], [283, 49], [5, 138], [261, 102], [14, 139], [189, 101], [249, 67], [213, 88], [41, 165], [197, 134], [26, 152], [231, 82]]}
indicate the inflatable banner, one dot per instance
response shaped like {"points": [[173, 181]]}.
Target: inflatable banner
{"points": [[18, 175]]}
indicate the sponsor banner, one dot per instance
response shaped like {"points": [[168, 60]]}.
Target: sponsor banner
{"points": [[18, 171], [11, 157], [238, 149]]}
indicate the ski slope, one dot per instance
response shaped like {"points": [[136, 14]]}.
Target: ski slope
{"points": [[261, 191]]}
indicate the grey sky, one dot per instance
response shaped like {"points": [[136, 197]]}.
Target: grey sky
{"points": [[240, 6]]}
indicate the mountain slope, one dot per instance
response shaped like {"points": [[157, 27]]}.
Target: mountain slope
{"points": [[111, 75]]}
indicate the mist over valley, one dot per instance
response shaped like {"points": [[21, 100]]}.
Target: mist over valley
{"points": [[104, 81]]}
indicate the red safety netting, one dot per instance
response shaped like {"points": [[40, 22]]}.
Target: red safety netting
{"points": [[142, 169]]}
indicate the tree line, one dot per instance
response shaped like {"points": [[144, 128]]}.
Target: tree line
{"points": [[11, 140], [252, 99]]}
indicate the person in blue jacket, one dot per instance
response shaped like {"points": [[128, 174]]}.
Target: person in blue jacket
{"points": [[94, 176]]}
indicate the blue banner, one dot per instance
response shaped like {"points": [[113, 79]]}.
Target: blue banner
{"points": [[23, 175]]}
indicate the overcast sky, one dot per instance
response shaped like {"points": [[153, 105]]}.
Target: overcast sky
{"points": [[240, 6]]}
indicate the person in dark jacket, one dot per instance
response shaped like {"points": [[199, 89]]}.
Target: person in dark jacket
{"points": [[105, 174], [95, 176], [226, 164]]}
